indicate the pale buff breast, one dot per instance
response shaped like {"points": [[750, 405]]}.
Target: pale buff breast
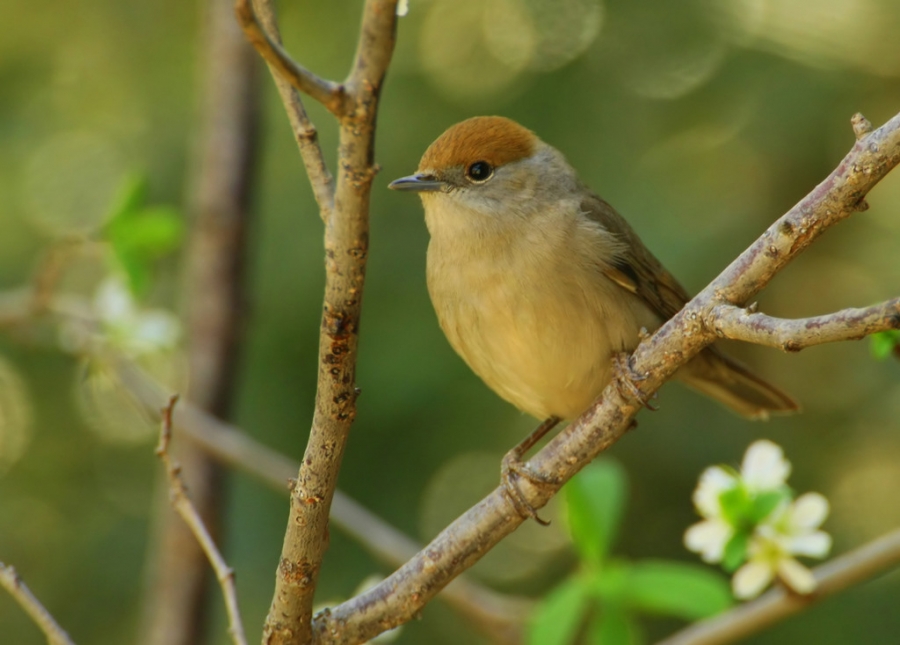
{"points": [[531, 313]]}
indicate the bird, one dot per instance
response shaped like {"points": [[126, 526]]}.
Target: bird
{"points": [[539, 284]]}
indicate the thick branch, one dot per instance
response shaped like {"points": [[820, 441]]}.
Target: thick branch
{"points": [[11, 581], [832, 577], [328, 93], [736, 323], [304, 131], [402, 595], [182, 504], [346, 250]]}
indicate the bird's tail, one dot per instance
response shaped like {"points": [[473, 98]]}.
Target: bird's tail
{"points": [[727, 381]]}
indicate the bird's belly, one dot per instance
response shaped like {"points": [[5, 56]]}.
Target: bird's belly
{"points": [[545, 350]]}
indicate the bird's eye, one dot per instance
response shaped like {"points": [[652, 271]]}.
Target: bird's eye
{"points": [[479, 171]]}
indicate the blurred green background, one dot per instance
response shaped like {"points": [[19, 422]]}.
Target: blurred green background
{"points": [[701, 121]]}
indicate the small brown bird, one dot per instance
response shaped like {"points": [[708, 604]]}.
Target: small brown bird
{"points": [[538, 283]]}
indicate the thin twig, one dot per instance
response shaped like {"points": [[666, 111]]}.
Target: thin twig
{"points": [[832, 577], [182, 504], [403, 594], [328, 93], [305, 132], [11, 581], [792, 335]]}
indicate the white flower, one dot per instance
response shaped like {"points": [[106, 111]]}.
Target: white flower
{"points": [[709, 537], [790, 530], [402, 8], [764, 467], [129, 328]]}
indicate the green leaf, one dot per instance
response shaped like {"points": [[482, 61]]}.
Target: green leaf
{"points": [[151, 233], [884, 343], [687, 591], [136, 270], [561, 614], [131, 195], [595, 501], [610, 583], [736, 506], [764, 503], [139, 234], [614, 627], [736, 551]]}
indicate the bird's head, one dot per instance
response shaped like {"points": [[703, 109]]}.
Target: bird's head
{"points": [[491, 167]]}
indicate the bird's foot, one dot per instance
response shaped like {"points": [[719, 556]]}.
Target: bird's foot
{"points": [[513, 469], [625, 376]]}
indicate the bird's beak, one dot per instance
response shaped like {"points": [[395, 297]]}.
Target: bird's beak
{"points": [[419, 183]]}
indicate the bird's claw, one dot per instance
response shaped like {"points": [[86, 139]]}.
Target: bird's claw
{"points": [[513, 468], [625, 376]]}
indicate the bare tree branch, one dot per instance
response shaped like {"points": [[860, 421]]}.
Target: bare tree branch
{"points": [[346, 248], [304, 131], [328, 93], [182, 504], [832, 577], [736, 323], [402, 595], [11, 581], [219, 191]]}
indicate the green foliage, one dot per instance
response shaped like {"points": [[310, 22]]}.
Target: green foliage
{"points": [[687, 591], [595, 502], [736, 550], [600, 603], [742, 508], [614, 626], [885, 343], [561, 614], [139, 234]]}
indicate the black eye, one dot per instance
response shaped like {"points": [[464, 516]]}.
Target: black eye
{"points": [[479, 171]]}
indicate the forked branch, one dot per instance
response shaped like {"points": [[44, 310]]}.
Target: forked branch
{"points": [[328, 93], [346, 216]]}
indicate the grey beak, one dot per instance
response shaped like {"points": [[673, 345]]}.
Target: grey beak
{"points": [[418, 183]]}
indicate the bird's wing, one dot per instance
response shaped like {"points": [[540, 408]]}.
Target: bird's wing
{"points": [[636, 269]]}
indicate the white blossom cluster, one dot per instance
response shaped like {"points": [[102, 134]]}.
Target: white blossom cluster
{"points": [[752, 523]]}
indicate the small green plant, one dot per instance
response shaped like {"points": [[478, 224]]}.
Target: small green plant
{"points": [[139, 234], [601, 601], [885, 343]]}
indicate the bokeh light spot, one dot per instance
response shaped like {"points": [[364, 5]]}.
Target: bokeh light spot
{"points": [[459, 484], [111, 411], [477, 49], [70, 181], [15, 416]]}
